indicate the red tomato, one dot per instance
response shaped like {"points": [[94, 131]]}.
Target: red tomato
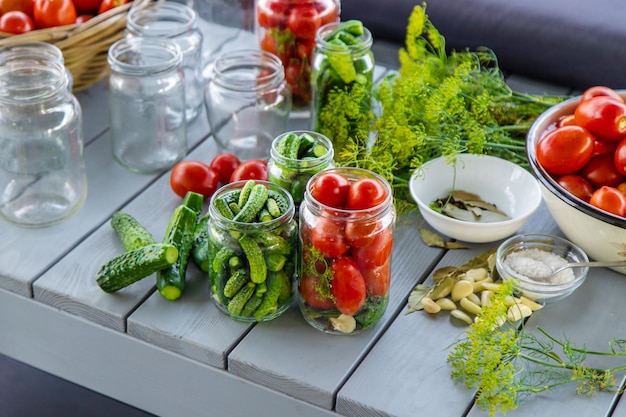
{"points": [[600, 90], [16, 22], [619, 157], [331, 189], [327, 235], [609, 199], [348, 285], [304, 21], [576, 185], [366, 193], [603, 147], [376, 253], [83, 18], [601, 171], [224, 164], [603, 116], [107, 5], [252, 169], [622, 188], [193, 176], [25, 6], [298, 78], [50, 13], [272, 13], [311, 295], [565, 150], [377, 279], [360, 233], [328, 11], [87, 6], [566, 121], [304, 48]]}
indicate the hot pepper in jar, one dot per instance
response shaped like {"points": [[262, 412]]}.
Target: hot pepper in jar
{"points": [[287, 28]]}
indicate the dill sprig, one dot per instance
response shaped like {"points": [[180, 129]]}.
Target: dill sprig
{"points": [[507, 363], [440, 103]]}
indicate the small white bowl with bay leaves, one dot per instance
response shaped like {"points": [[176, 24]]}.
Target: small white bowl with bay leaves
{"points": [[495, 196]]}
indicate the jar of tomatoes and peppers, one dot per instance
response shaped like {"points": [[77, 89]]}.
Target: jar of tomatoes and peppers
{"points": [[287, 28], [347, 222]]}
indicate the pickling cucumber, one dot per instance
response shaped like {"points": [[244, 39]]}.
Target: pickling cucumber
{"points": [[131, 233], [180, 233], [130, 267], [256, 261], [200, 246], [253, 205]]}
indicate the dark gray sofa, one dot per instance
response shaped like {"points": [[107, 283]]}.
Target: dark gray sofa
{"points": [[577, 43]]}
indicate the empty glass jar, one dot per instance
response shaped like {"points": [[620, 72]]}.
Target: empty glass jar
{"points": [[248, 102], [42, 169], [178, 22], [147, 103]]}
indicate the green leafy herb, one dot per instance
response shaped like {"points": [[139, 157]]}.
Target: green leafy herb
{"points": [[440, 104], [506, 363]]}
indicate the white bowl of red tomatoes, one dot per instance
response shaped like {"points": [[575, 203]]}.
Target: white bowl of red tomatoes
{"points": [[577, 151]]}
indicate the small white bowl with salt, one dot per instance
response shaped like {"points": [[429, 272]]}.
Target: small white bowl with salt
{"points": [[529, 260]]}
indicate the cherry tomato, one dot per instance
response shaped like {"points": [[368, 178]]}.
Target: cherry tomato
{"points": [[566, 121], [16, 22], [619, 157], [331, 189], [327, 10], [107, 5], [603, 116], [603, 147], [298, 77], [304, 48], [565, 150], [83, 18], [360, 233], [25, 6], [376, 253], [609, 199], [601, 171], [600, 90], [622, 188], [366, 193], [50, 13], [272, 13], [328, 237], [193, 176], [304, 21], [310, 294], [576, 185], [87, 6], [252, 169], [348, 285], [224, 164], [377, 279]]}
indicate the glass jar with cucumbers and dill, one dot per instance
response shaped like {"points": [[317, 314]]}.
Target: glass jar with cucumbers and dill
{"points": [[295, 156], [342, 80], [253, 250]]}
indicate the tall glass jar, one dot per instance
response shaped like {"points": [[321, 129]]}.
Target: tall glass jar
{"points": [[252, 271], [343, 72], [347, 222], [295, 156], [287, 29], [178, 22], [248, 102], [147, 104], [42, 169]]}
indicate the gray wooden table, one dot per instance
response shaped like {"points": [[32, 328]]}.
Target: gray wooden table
{"points": [[185, 358]]}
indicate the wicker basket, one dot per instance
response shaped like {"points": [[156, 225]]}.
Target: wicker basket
{"points": [[85, 46]]}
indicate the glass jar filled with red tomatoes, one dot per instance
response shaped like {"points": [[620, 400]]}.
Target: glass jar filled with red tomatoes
{"points": [[347, 223], [287, 28]]}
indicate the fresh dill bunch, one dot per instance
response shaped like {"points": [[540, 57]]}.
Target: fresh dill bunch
{"points": [[506, 363], [439, 103]]}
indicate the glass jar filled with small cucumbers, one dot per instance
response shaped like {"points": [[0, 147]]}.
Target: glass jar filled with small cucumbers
{"points": [[341, 80], [252, 250], [346, 229], [295, 156]]}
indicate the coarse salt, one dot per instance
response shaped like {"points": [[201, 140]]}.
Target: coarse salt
{"points": [[537, 265]]}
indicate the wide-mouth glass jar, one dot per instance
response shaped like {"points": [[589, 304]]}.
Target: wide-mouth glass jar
{"points": [[248, 102], [253, 258], [345, 254]]}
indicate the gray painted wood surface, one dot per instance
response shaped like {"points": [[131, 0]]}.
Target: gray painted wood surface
{"points": [[185, 358]]}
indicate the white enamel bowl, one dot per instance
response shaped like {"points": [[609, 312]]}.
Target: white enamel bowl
{"points": [[600, 234], [510, 187]]}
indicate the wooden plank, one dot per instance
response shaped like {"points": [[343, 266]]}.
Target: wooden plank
{"points": [[290, 356], [130, 370]]}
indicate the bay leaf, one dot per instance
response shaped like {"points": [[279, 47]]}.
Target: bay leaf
{"points": [[415, 298]]}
